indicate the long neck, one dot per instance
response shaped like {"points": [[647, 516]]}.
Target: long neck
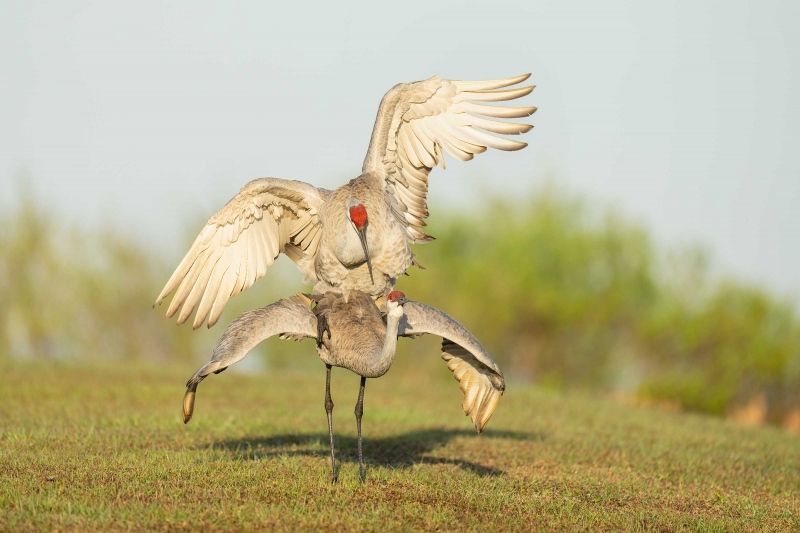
{"points": [[384, 359]]}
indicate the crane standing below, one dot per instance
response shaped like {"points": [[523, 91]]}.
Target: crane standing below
{"points": [[360, 341]]}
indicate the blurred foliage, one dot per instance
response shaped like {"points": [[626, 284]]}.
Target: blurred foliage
{"points": [[563, 294], [73, 293], [67, 293], [559, 293]]}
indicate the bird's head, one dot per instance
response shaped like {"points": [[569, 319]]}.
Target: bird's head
{"points": [[394, 303], [357, 215], [397, 297]]}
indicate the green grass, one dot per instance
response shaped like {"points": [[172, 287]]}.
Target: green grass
{"points": [[103, 447]]}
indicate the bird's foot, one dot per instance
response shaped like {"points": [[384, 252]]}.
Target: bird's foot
{"points": [[322, 328]]}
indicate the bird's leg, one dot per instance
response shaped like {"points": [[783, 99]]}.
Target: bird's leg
{"points": [[329, 410], [360, 411], [322, 328]]}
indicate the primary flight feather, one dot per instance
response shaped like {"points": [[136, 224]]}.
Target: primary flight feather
{"points": [[356, 237]]}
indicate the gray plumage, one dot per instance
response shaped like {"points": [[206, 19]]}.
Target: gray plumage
{"points": [[361, 342], [290, 318], [359, 339]]}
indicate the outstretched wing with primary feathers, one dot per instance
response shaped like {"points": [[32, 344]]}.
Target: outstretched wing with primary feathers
{"points": [[237, 245], [478, 376], [418, 122]]}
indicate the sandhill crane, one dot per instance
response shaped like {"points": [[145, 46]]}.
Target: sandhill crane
{"points": [[356, 237], [357, 339]]}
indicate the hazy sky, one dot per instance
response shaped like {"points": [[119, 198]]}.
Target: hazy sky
{"points": [[685, 115]]}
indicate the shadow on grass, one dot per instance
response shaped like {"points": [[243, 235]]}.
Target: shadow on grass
{"points": [[398, 451]]}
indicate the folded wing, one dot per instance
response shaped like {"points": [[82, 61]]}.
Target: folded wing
{"points": [[418, 122], [478, 376], [267, 217]]}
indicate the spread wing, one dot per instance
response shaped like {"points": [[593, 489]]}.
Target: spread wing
{"points": [[417, 122], [238, 243], [290, 317], [478, 376]]}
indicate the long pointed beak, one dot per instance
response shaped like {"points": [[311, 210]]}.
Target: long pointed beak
{"points": [[362, 235]]}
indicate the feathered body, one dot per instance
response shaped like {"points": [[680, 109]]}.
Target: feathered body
{"points": [[417, 123], [356, 337], [362, 341], [359, 340], [339, 263]]}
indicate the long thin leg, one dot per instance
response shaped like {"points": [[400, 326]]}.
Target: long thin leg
{"points": [[360, 411], [329, 410]]}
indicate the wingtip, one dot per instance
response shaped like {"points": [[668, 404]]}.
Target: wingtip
{"points": [[490, 85], [161, 296], [188, 406], [307, 299]]}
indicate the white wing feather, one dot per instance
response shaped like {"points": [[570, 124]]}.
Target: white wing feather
{"points": [[241, 241], [418, 122]]}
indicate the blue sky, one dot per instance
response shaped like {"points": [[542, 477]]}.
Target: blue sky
{"points": [[148, 114]]}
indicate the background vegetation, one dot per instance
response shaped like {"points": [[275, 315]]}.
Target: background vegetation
{"points": [[562, 295]]}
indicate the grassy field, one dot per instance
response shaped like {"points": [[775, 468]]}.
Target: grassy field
{"points": [[102, 447]]}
